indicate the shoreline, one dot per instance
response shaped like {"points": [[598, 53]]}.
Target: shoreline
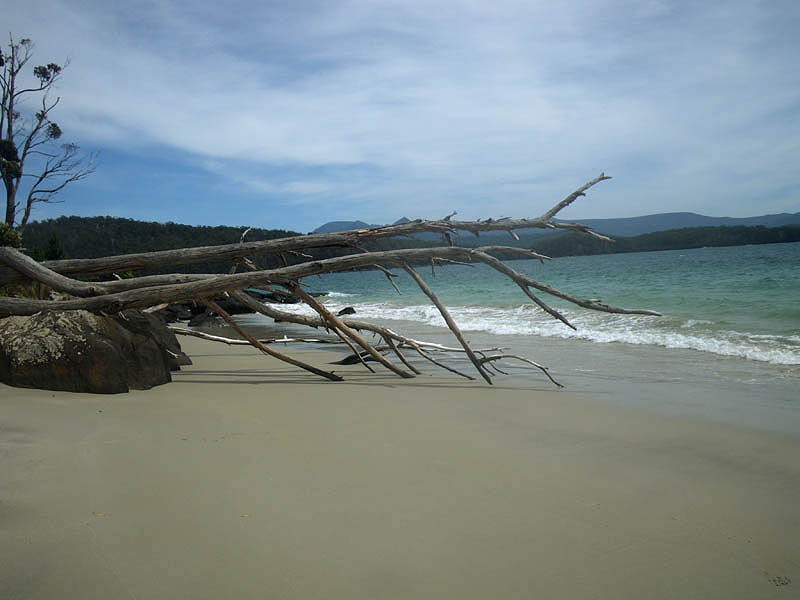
{"points": [[681, 382], [251, 478]]}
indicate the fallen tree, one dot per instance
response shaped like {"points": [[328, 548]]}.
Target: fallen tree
{"points": [[150, 291]]}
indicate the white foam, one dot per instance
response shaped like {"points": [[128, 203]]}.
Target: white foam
{"points": [[603, 328], [592, 326]]}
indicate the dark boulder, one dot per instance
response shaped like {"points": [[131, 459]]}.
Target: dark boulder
{"points": [[146, 324], [174, 313], [271, 297], [78, 351], [206, 319], [231, 306], [347, 310]]}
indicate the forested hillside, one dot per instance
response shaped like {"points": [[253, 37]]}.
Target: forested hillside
{"points": [[91, 237], [573, 244]]}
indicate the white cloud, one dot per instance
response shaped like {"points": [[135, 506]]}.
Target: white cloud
{"points": [[451, 104]]}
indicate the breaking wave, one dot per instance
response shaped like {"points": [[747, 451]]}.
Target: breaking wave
{"points": [[604, 328]]}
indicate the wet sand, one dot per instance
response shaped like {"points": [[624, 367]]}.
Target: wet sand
{"points": [[245, 478]]}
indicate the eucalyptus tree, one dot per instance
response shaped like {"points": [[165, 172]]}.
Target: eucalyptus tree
{"points": [[34, 164]]}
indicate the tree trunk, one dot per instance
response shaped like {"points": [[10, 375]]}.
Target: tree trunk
{"points": [[143, 292]]}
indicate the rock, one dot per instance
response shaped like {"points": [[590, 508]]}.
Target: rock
{"points": [[206, 319], [174, 313], [231, 306], [146, 324], [347, 310], [271, 297], [78, 351]]}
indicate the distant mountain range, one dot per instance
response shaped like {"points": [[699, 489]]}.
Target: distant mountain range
{"points": [[622, 227], [680, 220], [336, 226]]}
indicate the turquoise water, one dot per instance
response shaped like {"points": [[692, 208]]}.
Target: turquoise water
{"points": [[737, 301], [727, 347]]}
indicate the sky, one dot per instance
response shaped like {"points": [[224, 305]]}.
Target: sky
{"points": [[289, 114]]}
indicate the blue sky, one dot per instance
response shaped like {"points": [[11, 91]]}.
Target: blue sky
{"points": [[291, 114]]}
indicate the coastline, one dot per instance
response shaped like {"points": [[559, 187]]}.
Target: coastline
{"points": [[250, 478]]}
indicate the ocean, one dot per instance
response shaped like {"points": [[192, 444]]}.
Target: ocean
{"points": [[726, 348]]}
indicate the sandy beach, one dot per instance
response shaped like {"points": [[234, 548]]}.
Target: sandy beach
{"points": [[246, 478]]}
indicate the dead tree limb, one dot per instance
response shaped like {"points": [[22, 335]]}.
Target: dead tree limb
{"points": [[451, 324], [210, 285], [267, 350], [345, 239], [581, 191], [337, 323], [234, 342], [150, 291], [332, 325], [542, 368]]}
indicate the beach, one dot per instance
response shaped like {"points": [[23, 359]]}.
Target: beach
{"points": [[247, 478]]}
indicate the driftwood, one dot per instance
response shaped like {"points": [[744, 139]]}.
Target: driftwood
{"points": [[151, 291]]}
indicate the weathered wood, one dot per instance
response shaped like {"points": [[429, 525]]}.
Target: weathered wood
{"points": [[352, 239], [150, 291], [212, 285], [418, 346], [32, 270], [266, 349], [450, 322], [581, 191], [542, 368], [235, 342], [340, 325]]}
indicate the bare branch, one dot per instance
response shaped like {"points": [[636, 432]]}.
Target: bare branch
{"points": [[451, 324], [572, 197], [340, 325], [234, 342], [265, 349], [542, 368], [345, 239]]}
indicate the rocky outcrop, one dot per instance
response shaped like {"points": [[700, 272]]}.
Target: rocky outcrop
{"points": [[79, 351]]}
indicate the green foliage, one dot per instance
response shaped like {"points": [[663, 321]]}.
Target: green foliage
{"points": [[9, 160], [93, 237], [53, 131], [53, 250], [46, 73], [10, 169], [8, 151], [9, 236]]}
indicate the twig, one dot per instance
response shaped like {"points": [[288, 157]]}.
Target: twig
{"points": [[542, 368]]}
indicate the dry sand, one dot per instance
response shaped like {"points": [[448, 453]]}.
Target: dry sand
{"points": [[245, 479]]}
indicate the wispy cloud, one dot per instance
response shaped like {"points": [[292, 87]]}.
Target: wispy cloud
{"points": [[369, 109]]}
